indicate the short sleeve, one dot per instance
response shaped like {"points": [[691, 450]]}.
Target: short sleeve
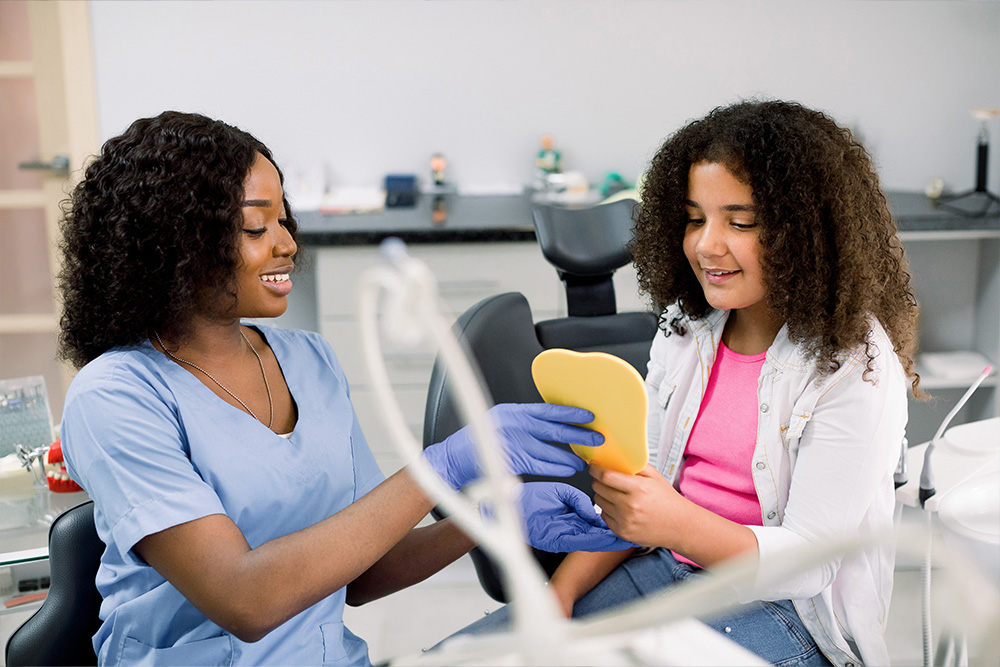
{"points": [[125, 445], [367, 474]]}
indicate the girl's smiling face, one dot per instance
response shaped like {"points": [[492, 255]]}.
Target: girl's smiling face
{"points": [[722, 239]]}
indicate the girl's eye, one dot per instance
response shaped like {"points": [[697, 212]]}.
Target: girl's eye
{"points": [[696, 221], [744, 225], [255, 233]]}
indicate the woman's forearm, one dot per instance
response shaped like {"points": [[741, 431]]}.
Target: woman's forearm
{"points": [[251, 591], [417, 556]]}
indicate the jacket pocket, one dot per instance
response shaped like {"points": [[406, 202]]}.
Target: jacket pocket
{"points": [[792, 431], [663, 393], [212, 651], [334, 649]]}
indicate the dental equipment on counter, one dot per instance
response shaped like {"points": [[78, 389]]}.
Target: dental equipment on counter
{"points": [[960, 480], [926, 473]]}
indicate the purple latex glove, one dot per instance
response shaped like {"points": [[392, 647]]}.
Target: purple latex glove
{"points": [[561, 518], [525, 431]]}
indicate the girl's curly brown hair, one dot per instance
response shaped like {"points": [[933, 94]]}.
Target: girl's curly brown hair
{"points": [[831, 255], [153, 226]]}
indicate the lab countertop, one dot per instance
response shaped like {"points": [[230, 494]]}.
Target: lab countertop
{"points": [[468, 218], [24, 535], [472, 218]]}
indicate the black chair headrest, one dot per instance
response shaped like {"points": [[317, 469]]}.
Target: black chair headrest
{"points": [[590, 241]]}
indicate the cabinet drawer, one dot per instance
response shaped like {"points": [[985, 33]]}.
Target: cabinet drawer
{"points": [[627, 296], [407, 367], [411, 366], [373, 423], [466, 273]]}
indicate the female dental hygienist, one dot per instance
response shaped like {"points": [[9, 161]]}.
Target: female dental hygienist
{"points": [[238, 499], [777, 386]]}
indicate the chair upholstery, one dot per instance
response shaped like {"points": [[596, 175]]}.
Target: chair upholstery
{"points": [[500, 335], [61, 631], [586, 246]]}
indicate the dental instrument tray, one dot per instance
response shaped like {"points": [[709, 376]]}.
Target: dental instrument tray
{"points": [[609, 387]]}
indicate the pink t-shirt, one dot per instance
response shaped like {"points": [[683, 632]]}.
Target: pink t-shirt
{"points": [[716, 470]]}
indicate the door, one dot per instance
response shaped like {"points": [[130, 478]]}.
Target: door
{"points": [[48, 127]]}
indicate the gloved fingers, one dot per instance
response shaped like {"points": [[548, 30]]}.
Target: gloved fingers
{"points": [[592, 542], [540, 458], [562, 534], [577, 501], [546, 468], [560, 432], [547, 411]]}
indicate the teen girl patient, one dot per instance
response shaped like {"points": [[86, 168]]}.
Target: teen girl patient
{"points": [[778, 384], [239, 502]]}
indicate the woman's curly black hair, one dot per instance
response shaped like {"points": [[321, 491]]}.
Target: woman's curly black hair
{"points": [[831, 256], [151, 230]]}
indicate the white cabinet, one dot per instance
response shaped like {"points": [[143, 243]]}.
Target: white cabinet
{"points": [[956, 280], [466, 274]]}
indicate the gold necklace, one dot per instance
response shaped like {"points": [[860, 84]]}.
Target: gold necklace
{"points": [[222, 386]]}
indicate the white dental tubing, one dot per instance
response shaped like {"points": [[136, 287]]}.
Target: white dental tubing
{"points": [[926, 489], [412, 309]]}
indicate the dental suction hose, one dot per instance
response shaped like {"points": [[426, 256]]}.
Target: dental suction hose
{"points": [[926, 489], [412, 314]]}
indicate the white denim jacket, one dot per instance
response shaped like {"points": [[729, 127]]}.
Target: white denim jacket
{"points": [[822, 467]]}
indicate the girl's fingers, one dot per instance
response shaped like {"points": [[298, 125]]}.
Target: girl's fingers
{"points": [[615, 480]]}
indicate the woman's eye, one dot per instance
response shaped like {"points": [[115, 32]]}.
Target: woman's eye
{"points": [[696, 221], [744, 225], [283, 222], [255, 233]]}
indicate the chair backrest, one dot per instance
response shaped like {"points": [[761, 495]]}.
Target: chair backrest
{"points": [[500, 335], [61, 631]]}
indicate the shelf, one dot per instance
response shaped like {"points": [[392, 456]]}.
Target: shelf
{"points": [[25, 556], [953, 370], [930, 382]]}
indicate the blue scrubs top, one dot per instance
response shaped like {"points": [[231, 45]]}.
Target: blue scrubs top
{"points": [[154, 448]]}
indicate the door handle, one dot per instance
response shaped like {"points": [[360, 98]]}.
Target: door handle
{"points": [[58, 166]]}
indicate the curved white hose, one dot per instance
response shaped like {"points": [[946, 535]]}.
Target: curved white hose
{"points": [[411, 308], [925, 596]]}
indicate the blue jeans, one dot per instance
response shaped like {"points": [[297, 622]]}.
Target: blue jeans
{"points": [[772, 630]]}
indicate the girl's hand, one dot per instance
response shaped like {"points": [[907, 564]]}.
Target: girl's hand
{"points": [[643, 508]]}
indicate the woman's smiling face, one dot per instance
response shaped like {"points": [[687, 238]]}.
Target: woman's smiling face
{"points": [[266, 246]]}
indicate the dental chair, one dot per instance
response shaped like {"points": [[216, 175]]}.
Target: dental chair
{"points": [[61, 631], [586, 246]]}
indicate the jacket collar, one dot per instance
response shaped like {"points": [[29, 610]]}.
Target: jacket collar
{"points": [[781, 354]]}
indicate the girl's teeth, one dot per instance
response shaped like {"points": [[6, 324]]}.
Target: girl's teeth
{"points": [[275, 277]]}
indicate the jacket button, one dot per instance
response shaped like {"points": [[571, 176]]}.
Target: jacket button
{"points": [[761, 465], [764, 408], [771, 515]]}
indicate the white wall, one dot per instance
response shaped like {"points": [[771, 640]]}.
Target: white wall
{"points": [[368, 88]]}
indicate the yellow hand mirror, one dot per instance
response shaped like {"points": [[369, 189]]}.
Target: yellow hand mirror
{"points": [[609, 387]]}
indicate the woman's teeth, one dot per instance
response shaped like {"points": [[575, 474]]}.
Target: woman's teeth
{"points": [[275, 277]]}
